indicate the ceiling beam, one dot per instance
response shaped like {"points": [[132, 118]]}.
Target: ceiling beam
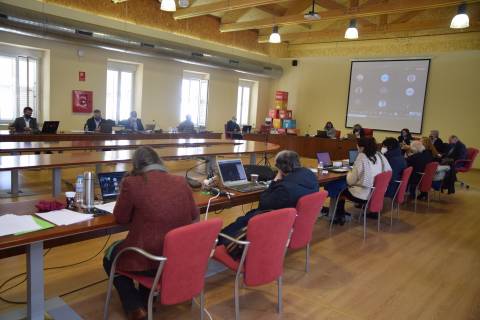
{"points": [[219, 6], [273, 9], [234, 15], [367, 10], [299, 6], [369, 32]]}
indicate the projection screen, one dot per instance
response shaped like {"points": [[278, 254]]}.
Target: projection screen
{"points": [[387, 94]]}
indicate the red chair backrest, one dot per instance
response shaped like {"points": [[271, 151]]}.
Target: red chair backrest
{"points": [[308, 209], [381, 184], [407, 172], [472, 153], [268, 235], [368, 132], [428, 175], [338, 133], [187, 250]]}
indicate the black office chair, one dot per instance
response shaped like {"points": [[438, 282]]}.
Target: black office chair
{"points": [[264, 173]]}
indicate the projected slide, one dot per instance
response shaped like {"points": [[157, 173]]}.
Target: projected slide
{"points": [[387, 94]]}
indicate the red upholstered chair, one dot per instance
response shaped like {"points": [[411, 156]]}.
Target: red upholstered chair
{"points": [[181, 271], [368, 132], [425, 183], [466, 164], [263, 253], [374, 200], [308, 209], [399, 197], [338, 134]]}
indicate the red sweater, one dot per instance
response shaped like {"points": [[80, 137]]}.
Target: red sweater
{"points": [[151, 205]]}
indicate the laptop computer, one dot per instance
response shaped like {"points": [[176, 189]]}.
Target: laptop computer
{"points": [[50, 127], [110, 185], [352, 156], [107, 126], [321, 134], [246, 129], [234, 177], [324, 157]]}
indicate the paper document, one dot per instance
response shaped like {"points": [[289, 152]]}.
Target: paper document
{"points": [[11, 224], [64, 217], [106, 206]]}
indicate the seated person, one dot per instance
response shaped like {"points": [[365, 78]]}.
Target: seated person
{"points": [[360, 179], [151, 202], [133, 123], [26, 123], [186, 126], [437, 142], [405, 137], [291, 183], [94, 123], [358, 131], [418, 159], [232, 126], [456, 150], [330, 130], [431, 148], [391, 150]]}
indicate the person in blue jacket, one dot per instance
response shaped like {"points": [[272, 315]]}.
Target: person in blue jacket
{"points": [[393, 153]]}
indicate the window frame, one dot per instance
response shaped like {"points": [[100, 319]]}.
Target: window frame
{"points": [[245, 83], [120, 67], [198, 76]]}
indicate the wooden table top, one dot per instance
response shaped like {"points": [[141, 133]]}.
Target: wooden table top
{"points": [[32, 146], [31, 161]]}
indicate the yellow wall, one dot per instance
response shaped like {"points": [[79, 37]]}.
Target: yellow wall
{"points": [[318, 92], [160, 94]]}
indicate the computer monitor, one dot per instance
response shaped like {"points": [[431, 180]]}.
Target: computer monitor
{"points": [[324, 157], [321, 134], [110, 184], [107, 126], [50, 126], [232, 172], [246, 129], [352, 156]]}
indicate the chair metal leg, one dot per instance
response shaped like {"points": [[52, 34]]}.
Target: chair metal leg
{"points": [[307, 258], [365, 223], [107, 300], [391, 213], [202, 305], [279, 284], [428, 199], [415, 201], [334, 213], [237, 299], [150, 304], [378, 221]]}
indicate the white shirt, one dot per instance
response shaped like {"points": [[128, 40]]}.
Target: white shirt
{"points": [[27, 122], [97, 123]]}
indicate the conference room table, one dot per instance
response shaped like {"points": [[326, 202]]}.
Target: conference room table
{"points": [[33, 244], [56, 162]]}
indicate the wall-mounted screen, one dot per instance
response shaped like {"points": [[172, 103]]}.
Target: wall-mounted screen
{"points": [[387, 94]]}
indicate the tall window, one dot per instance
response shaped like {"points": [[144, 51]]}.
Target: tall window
{"points": [[18, 86], [194, 97], [246, 101], [120, 90]]}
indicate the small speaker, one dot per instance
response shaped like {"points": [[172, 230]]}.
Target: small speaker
{"points": [[294, 63]]}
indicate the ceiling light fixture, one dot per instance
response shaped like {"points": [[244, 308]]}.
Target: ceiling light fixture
{"points": [[352, 31], [312, 15], [460, 21], [168, 5], [275, 36]]}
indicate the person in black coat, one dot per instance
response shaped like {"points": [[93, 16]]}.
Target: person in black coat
{"points": [[393, 153], [437, 142], [405, 137], [418, 160], [94, 123], [133, 123], [232, 126], [456, 150], [291, 183], [26, 123]]}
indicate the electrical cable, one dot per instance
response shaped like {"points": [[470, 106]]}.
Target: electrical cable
{"points": [[195, 166], [208, 205]]}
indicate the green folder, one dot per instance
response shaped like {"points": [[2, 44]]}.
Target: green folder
{"points": [[42, 223]]}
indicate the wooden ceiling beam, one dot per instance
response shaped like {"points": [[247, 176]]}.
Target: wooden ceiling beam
{"points": [[366, 10], [219, 6], [273, 9], [298, 7], [233, 16]]}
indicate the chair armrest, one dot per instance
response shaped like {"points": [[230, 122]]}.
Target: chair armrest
{"points": [[141, 252], [245, 243], [398, 181], [462, 161], [420, 173]]}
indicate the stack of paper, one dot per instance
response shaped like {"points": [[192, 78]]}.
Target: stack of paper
{"points": [[106, 206], [11, 224], [64, 217]]}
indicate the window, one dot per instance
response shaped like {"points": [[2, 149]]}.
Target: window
{"points": [[246, 101], [194, 97], [18, 86], [120, 90]]}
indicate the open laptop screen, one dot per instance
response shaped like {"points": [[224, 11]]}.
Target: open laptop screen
{"points": [[324, 157], [231, 171], [352, 156], [110, 184]]}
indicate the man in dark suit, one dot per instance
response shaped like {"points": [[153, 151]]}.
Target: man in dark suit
{"points": [[232, 126], [133, 123], [26, 123], [456, 149], [437, 142], [291, 183], [94, 123]]}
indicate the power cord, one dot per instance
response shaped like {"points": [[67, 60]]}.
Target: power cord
{"points": [[195, 166]]}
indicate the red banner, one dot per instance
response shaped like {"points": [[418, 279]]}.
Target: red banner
{"points": [[82, 101]]}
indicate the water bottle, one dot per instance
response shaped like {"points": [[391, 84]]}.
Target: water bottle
{"points": [[88, 190], [79, 191], [320, 168]]}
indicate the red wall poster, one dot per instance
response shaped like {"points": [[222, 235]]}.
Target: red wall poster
{"points": [[82, 101]]}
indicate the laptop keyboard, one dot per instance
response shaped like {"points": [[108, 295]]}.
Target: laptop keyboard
{"points": [[249, 187]]}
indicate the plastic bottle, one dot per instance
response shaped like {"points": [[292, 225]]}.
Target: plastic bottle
{"points": [[79, 190], [320, 168]]}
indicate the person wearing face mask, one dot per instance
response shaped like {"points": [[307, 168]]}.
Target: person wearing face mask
{"points": [[330, 130], [133, 123], [391, 150], [360, 179], [27, 123], [94, 123]]}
